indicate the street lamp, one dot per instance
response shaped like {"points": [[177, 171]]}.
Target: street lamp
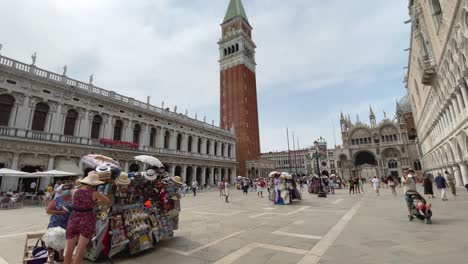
{"points": [[321, 192]]}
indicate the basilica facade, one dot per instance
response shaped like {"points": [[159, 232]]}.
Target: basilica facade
{"points": [[378, 148], [48, 121], [437, 83]]}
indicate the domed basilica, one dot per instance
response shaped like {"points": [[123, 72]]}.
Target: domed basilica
{"points": [[379, 148]]}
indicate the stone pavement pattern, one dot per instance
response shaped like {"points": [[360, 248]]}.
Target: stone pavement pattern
{"points": [[339, 229]]}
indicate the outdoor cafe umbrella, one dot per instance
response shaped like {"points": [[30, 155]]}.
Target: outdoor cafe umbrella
{"points": [[12, 173], [53, 173], [149, 160]]}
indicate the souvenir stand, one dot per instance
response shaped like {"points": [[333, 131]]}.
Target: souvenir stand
{"points": [[144, 210], [283, 188]]}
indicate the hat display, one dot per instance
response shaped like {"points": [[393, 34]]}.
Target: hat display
{"points": [[176, 196], [115, 172], [150, 175], [91, 179], [104, 171], [122, 179], [177, 180]]}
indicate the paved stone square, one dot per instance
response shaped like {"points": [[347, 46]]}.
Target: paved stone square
{"points": [[339, 229]]}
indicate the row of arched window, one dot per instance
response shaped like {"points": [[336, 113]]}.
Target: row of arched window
{"points": [[41, 112], [231, 49], [361, 141]]}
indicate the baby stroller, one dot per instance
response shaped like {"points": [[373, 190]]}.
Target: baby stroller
{"points": [[414, 197]]}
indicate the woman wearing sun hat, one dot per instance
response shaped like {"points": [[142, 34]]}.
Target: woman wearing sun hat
{"points": [[82, 222]]}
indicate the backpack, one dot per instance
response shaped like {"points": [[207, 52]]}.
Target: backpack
{"points": [[262, 184], [220, 185]]}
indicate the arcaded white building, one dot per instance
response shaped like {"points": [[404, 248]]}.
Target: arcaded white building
{"points": [[48, 121], [437, 84]]}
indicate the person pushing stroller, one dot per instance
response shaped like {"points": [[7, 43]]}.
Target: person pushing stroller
{"points": [[419, 207]]}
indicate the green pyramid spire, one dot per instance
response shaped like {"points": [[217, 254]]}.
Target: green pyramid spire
{"points": [[235, 9]]}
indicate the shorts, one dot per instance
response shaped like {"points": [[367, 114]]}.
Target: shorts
{"points": [[259, 189]]}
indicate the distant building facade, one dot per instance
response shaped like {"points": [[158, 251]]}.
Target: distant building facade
{"points": [[437, 84], [378, 149], [294, 161]]}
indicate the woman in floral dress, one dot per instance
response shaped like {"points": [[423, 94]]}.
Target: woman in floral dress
{"points": [[82, 223]]}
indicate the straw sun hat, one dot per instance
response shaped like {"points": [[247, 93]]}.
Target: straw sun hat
{"points": [[91, 179], [122, 179], [177, 180]]}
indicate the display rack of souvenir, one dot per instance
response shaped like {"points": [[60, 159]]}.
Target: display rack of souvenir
{"points": [[144, 208], [283, 188]]}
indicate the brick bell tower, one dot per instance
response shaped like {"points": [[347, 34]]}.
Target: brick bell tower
{"points": [[238, 84]]}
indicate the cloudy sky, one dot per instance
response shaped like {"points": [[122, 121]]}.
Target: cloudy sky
{"points": [[315, 58]]}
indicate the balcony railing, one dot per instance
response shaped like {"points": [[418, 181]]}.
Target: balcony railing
{"points": [[102, 143], [75, 85]]}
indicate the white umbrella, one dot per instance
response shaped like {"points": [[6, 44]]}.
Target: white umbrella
{"points": [[13, 173], [55, 238], [150, 160], [273, 173], [53, 173]]}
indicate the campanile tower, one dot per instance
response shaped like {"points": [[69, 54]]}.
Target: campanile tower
{"points": [[238, 84]]}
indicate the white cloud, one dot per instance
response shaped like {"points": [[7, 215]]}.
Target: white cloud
{"points": [[167, 48]]}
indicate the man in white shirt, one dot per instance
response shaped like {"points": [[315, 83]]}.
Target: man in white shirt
{"points": [[376, 185], [58, 189], [32, 186], [409, 184], [194, 187]]}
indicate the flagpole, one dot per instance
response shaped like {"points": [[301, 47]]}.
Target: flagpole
{"points": [[294, 150], [289, 152]]}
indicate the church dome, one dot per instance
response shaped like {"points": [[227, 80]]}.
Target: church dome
{"points": [[405, 104]]}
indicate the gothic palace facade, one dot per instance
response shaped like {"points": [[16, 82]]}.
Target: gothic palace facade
{"points": [[437, 83], [48, 121]]}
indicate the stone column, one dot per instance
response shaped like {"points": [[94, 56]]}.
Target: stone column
{"points": [[128, 131], [183, 173], [144, 136], [210, 177], [464, 172], [194, 144], [84, 126], [14, 109], [57, 121], [184, 146], [160, 137], [461, 102], [234, 175], [171, 171], [452, 113], [457, 175], [173, 140], [212, 147], [203, 146], [46, 181], [455, 105], [25, 113], [11, 182], [109, 128], [203, 176], [464, 94]]}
